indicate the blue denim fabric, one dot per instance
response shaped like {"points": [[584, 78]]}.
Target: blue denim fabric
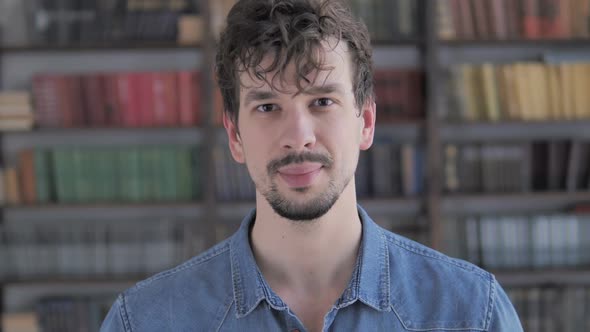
{"points": [[397, 285]]}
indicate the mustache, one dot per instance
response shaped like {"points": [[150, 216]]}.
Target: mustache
{"points": [[298, 158]]}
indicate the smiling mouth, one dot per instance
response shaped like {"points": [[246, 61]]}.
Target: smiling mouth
{"points": [[300, 178]]}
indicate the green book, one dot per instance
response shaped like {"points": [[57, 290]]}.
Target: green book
{"points": [[196, 172], [168, 174], [183, 173], [63, 173], [134, 171], [110, 174], [43, 176]]}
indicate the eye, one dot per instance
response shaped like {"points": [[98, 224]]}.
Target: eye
{"points": [[265, 108], [323, 102]]}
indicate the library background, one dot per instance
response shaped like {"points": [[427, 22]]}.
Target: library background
{"points": [[113, 164]]}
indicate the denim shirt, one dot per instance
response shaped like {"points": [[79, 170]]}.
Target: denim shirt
{"points": [[397, 285]]}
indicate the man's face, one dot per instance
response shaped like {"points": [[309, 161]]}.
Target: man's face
{"points": [[301, 149]]}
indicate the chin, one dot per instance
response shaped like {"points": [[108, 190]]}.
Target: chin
{"points": [[302, 208]]}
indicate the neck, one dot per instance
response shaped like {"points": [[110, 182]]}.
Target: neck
{"points": [[308, 256]]}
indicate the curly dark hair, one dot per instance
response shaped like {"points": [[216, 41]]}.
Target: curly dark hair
{"points": [[293, 31]]}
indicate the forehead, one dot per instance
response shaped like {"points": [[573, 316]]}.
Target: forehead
{"points": [[335, 63]]}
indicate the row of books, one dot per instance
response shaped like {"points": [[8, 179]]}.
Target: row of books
{"points": [[88, 22], [89, 248], [72, 313], [16, 110], [400, 95], [522, 242], [109, 174], [391, 19], [517, 167], [552, 308], [513, 19], [172, 99], [121, 99], [391, 170], [528, 91], [386, 170]]}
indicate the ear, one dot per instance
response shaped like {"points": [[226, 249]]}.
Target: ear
{"points": [[235, 141], [368, 116]]}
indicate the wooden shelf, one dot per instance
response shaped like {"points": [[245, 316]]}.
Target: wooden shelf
{"points": [[508, 51], [97, 47], [76, 137], [396, 42], [89, 280], [536, 278], [375, 207], [542, 202], [99, 212], [395, 55], [515, 131], [571, 42], [399, 132], [190, 210]]}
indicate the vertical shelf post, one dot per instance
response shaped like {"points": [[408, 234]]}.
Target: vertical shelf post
{"points": [[207, 229], [433, 142]]}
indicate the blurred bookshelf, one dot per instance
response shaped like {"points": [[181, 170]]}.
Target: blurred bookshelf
{"points": [[479, 124]]}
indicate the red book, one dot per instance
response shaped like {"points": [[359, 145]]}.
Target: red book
{"points": [[380, 87], [145, 93], [482, 26], [113, 113], [457, 18], [554, 18], [531, 19], [467, 21], [397, 91], [64, 96], [46, 101], [93, 87], [512, 10], [165, 101], [124, 99], [76, 101], [498, 19], [27, 178], [171, 99], [416, 96], [189, 98], [217, 107]]}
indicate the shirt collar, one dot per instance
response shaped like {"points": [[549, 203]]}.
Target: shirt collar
{"points": [[369, 282]]}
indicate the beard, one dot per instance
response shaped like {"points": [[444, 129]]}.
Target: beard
{"points": [[314, 207]]}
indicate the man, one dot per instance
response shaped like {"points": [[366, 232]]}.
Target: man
{"points": [[296, 80]]}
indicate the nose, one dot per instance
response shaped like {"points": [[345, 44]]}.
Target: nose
{"points": [[298, 132]]}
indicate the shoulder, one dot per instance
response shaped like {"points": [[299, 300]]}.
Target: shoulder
{"points": [[431, 290], [198, 290]]}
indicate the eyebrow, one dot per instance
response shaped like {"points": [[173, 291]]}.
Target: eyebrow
{"points": [[255, 95]]}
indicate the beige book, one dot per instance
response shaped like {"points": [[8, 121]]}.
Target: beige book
{"points": [[15, 98], [16, 123], [190, 29], [580, 88], [556, 110], [469, 82], [511, 92], [567, 93], [11, 184], [490, 92], [540, 95], [20, 322], [522, 91]]}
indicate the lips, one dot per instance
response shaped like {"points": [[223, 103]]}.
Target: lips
{"points": [[300, 175]]}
